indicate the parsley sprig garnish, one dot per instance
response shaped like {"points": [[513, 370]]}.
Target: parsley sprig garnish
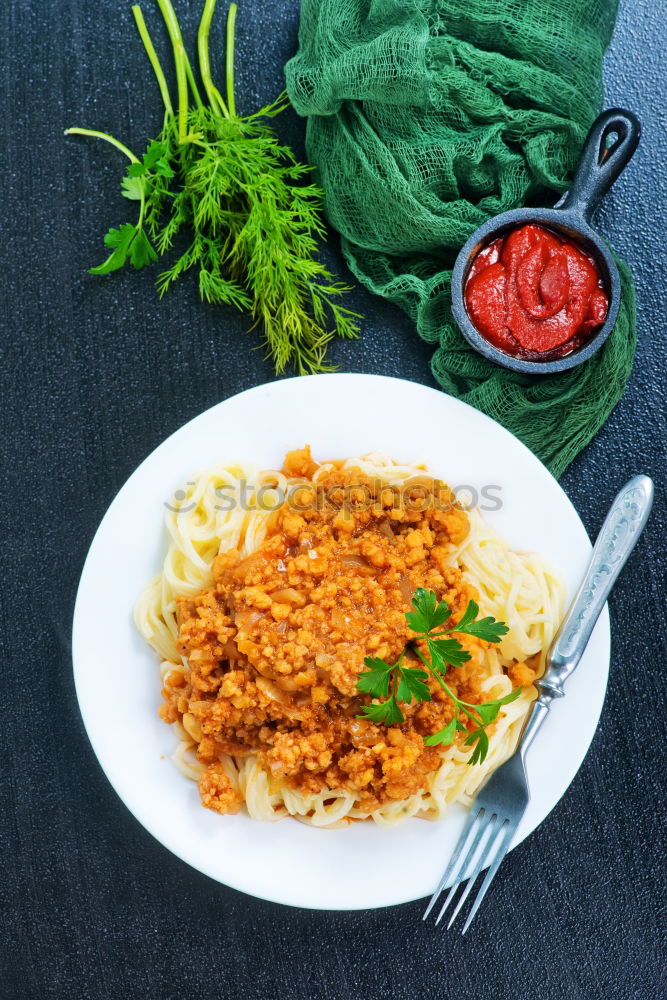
{"points": [[141, 179], [396, 683]]}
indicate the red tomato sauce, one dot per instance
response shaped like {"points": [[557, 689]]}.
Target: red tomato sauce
{"points": [[535, 295]]}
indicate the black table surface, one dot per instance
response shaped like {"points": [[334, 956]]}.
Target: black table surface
{"points": [[95, 373]]}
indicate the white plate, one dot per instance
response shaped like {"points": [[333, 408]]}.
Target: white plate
{"points": [[117, 679]]}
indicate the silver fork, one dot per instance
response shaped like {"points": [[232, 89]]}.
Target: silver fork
{"points": [[500, 804]]}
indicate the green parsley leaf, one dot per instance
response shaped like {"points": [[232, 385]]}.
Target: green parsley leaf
{"points": [[163, 169], [443, 738], [446, 652], [128, 241], [481, 742], [153, 153], [141, 251], [386, 712], [411, 682], [136, 184], [119, 240], [154, 159], [468, 617], [375, 680], [417, 622], [486, 628], [375, 663], [488, 710], [428, 613], [488, 713], [133, 188], [136, 170]]}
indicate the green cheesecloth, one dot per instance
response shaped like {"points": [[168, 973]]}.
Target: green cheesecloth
{"points": [[425, 119]]}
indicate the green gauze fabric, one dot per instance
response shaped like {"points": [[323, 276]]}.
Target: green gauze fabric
{"points": [[426, 118]]}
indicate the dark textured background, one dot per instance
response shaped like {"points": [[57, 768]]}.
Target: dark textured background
{"points": [[94, 375]]}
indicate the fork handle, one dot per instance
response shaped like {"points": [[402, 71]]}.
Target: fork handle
{"points": [[618, 536]]}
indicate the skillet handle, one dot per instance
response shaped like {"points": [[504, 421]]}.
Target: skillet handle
{"points": [[600, 166]]}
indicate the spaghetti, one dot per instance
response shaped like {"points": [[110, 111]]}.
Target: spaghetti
{"points": [[275, 586]]}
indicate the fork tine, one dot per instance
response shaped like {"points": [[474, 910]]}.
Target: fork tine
{"points": [[488, 828], [501, 851], [452, 869]]}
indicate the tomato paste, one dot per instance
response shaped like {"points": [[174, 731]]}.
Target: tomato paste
{"points": [[535, 295]]}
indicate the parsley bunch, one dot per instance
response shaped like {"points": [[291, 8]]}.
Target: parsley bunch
{"points": [[234, 198], [396, 683]]}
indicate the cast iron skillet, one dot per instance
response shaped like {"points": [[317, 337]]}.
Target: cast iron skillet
{"points": [[598, 168]]}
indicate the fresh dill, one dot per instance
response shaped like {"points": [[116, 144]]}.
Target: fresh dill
{"points": [[236, 201]]}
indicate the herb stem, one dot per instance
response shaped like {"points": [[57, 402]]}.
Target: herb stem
{"points": [[429, 667], [457, 701], [193, 84], [221, 100], [180, 63], [93, 134], [214, 96], [153, 57], [229, 59]]}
